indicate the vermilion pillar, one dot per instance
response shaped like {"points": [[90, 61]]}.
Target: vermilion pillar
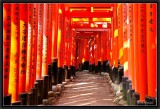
{"points": [[112, 42], [65, 39], [135, 39], [73, 46], [6, 46], [44, 47], [125, 40], [49, 32], [54, 30], [96, 50], [151, 32], [115, 42], [101, 49], [142, 51], [62, 44], [59, 41], [105, 45], [68, 41], [98, 41], [34, 43], [92, 59], [120, 34], [39, 42], [109, 46], [69, 47], [29, 45], [80, 50], [14, 53], [129, 38], [131, 47], [86, 51], [23, 46]]}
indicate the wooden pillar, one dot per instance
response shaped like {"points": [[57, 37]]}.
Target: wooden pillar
{"points": [[39, 42], [129, 37], [125, 40], [29, 45], [14, 53], [34, 43], [6, 46], [23, 46], [115, 34], [120, 34], [49, 33], [151, 32], [54, 30], [142, 51], [44, 47]]}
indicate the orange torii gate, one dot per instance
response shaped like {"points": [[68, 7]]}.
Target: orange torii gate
{"points": [[40, 41]]}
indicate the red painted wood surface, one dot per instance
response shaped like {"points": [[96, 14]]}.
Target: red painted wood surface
{"points": [[6, 46], [54, 30], [34, 33], [120, 33], [44, 47], [151, 24], [142, 51], [39, 42], [125, 40], [14, 54], [29, 46], [23, 46]]}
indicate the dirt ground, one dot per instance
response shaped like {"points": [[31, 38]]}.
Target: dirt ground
{"points": [[87, 90]]}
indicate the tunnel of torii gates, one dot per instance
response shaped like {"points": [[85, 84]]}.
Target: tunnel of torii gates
{"points": [[41, 41]]}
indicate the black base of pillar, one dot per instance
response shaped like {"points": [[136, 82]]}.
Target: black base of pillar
{"points": [[23, 98], [30, 98], [108, 68], [93, 68], [110, 72], [54, 71], [120, 74], [131, 91], [50, 76], [90, 68], [46, 86], [17, 103], [86, 65], [74, 71], [150, 100], [36, 85], [82, 66], [40, 91], [69, 73], [124, 79], [60, 75], [140, 103], [96, 69], [7, 99], [63, 75], [34, 90], [104, 66], [136, 97], [115, 75], [65, 72], [128, 87], [99, 67]]}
